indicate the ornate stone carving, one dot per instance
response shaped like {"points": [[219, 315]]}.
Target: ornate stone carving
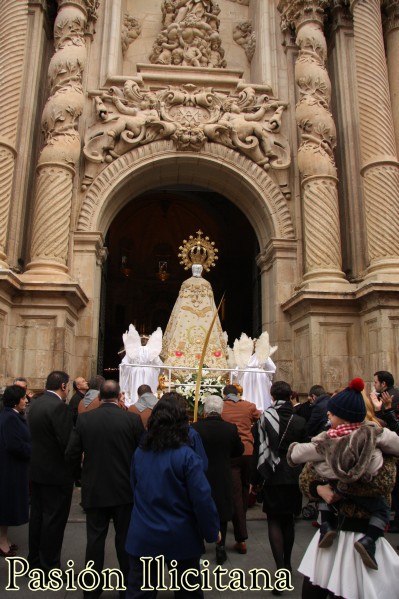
{"points": [[245, 37], [131, 30], [189, 116], [315, 154], [190, 35], [295, 13], [92, 8], [340, 14], [51, 221], [390, 15]]}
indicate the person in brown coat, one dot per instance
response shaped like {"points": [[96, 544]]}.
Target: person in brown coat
{"points": [[243, 414], [143, 407]]}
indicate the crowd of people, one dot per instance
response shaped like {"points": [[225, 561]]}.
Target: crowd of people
{"points": [[168, 485]]}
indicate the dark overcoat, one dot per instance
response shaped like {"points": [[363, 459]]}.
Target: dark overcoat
{"points": [[221, 442], [15, 451], [50, 423], [108, 437], [318, 416]]}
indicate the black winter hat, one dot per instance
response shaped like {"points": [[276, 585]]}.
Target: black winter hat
{"points": [[349, 403]]}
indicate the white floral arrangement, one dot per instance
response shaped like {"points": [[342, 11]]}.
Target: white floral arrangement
{"points": [[209, 386]]}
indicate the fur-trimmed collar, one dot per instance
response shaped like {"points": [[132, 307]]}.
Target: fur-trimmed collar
{"points": [[349, 457]]}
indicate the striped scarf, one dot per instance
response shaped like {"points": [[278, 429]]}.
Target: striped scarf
{"points": [[269, 432]]}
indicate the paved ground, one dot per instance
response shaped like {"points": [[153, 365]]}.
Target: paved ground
{"points": [[258, 556]]}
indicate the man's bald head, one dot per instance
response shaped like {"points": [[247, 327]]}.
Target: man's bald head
{"points": [[109, 391]]}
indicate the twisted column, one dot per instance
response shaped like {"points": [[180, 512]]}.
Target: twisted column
{"points": [[377, 139], [391, 30], [55, 171], [13, 31], [315, 153]]}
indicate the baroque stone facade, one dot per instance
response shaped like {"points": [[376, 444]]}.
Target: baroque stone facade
{"points": [[236, 97]]}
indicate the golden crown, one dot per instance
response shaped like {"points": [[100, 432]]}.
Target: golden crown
{"points": [[198, 250]]}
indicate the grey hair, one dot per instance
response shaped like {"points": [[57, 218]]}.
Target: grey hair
{"points": [[213, 403]]}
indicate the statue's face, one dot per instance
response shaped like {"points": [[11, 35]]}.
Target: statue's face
{"points": [[196, 270]]}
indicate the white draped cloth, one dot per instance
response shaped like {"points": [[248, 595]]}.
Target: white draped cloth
{"points": [[341, 570], [141, 364], [131, 377], [256, 384]]}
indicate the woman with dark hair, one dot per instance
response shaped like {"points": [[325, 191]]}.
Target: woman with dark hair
{"points": [[15, 450], [173, 508]]}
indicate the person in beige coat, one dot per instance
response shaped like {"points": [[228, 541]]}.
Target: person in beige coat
{"points": [[352, 450]]}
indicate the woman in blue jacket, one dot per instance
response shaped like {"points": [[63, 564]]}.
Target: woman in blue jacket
{"points": [[173, 508]]}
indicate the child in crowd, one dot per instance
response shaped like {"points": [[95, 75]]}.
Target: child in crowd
{"points": [[350, 451]]}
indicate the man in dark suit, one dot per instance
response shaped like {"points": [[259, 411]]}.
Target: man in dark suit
{"points": [[318, 420], [50, 423], [222, 442], [108, 437]]}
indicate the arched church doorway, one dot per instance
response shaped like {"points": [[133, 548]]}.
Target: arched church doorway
{"points": [[143, 275]]}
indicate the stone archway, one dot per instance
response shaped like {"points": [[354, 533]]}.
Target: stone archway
{"points": [[220, 168], [217, 168]]}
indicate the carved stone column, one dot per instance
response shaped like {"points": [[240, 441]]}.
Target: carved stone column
{"points": [[315, 154], [13, 30], [391, 29], [344, 98], [56, 166], [378, 148]]}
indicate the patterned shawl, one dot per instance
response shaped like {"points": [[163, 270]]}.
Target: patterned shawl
{"points": [[269, 432]]}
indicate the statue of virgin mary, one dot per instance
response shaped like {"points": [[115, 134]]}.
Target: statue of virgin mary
{"points": [[193, 312]]}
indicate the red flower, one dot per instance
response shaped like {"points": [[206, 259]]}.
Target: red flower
{"points": [[178, 354], [217, 354]]}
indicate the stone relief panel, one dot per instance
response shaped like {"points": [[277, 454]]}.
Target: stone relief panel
{"points": [[161, 35], [36, 336], [372, 340], [285, 370], [394, 322], [244, 36], [131, 30], [335, 352], [188, 115], [301, 344], [190, 35]]}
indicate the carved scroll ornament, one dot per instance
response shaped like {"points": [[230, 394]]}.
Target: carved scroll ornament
{"points": [[190, 116]]}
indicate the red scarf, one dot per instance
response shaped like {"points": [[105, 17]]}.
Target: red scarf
{"points": [[344, 429]]}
